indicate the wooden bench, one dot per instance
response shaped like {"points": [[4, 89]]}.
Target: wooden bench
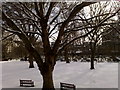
{"points": [[66, 86], [28, 83]]}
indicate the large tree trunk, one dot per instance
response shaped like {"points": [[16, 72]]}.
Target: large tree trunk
{"points": [[48, 81], [47, 73]]}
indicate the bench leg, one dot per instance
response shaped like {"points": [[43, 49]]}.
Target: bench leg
{"points": [[21, 84], [32, 84]]}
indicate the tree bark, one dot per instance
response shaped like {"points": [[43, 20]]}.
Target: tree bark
{"points": [[66, 55], [31, 65], [93, 49], [48, 81], [47, 73], [92, 61]]}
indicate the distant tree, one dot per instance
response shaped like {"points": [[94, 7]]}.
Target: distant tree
{"points": [[7, 45], [96, 14]]}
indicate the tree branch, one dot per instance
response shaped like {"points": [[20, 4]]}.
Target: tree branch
{"points": [[50, 9], [4, 38], [24, 38], [65, 23], [88, 32]]}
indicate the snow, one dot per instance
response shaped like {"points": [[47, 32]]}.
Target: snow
{"points": [[104, 76]]}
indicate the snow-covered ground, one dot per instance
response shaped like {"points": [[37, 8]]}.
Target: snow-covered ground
{"points": [[104, 76]]}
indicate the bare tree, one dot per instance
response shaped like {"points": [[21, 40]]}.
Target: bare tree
{"points": [[46, 18], [96, 14]]}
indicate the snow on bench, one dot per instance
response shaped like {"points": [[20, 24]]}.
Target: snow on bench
{"points": [[66, 86], [28, 83]]}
